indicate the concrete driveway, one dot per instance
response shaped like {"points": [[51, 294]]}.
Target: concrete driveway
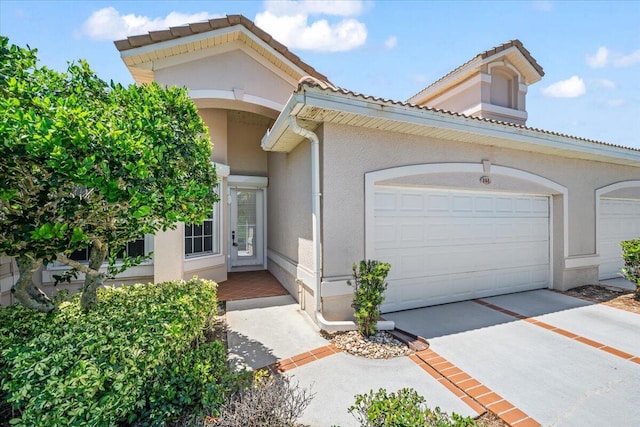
{"points": [[272, 332], [559, 360]]}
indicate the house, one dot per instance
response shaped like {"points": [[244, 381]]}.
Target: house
{"points": [[451, 187]]}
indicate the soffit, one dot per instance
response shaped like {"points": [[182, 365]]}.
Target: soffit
{"points": [[316, 105]]}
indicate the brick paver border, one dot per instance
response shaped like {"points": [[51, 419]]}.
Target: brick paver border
{"points": [[560, 331], [301, 359], [478, 396]]}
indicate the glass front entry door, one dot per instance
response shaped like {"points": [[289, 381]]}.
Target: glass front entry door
{"points": [[247, 228]]}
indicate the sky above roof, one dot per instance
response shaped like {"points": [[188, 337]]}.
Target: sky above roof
{"points": [[590, 51]]}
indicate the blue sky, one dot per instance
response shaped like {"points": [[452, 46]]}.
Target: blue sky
{"points": [[590, 51]]}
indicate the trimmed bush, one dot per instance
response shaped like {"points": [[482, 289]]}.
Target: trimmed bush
{"points": [[139, 358], [631, 257], [404, 408], [368, 293]]}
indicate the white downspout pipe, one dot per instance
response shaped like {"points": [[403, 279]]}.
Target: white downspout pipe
{"points": [[327, 325]]}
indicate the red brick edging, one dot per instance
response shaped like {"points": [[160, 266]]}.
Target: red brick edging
{"points": [[301, 359], [469, 390], [560, 331]]}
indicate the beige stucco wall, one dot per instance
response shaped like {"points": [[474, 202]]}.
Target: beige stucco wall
{"points": [[216, 121], [462, 101], [245, 155], [350, 152], [289, 216], [228, 71]]}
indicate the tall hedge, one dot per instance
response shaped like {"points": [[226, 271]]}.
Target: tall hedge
{"points": [[139, 357]]}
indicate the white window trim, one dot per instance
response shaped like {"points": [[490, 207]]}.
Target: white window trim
{"points": [[217, 206], [148, 248]]}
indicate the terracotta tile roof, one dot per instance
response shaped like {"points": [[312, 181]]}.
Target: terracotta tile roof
{"points": [[314, 83], [173, 33], [486, 54]]}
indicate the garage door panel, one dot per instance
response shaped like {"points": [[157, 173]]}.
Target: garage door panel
{"points": [[446, 246], [403, 294], [619, 220]]}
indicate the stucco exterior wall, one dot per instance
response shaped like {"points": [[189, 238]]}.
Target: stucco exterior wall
{"points": [[289, 216], [461, 101], [216, 121], [228, 71], [244, 153], [350, 152]]}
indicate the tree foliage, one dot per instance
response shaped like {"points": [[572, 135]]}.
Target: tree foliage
{"points": [[85, 162]]}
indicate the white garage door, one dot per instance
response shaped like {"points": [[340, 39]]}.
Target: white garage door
{"points": [[619, 220], [446, 246]]}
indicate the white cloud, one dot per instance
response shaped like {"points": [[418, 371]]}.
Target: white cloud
{"points": [[604, 83], [570, 88], [600, 58], [288, 22], [311, 7], [109, 24], [543, 5], [627, 60], [618, 102], [604, 57], [391, 42]]}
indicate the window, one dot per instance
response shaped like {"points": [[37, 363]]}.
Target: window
{"points": [[133, 249], [504, 88], [203, 239]]}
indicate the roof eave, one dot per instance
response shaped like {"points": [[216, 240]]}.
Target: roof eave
{"points": [[510, 136]]}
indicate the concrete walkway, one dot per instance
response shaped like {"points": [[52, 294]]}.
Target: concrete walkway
{"points": [[560, 360], [272, 332]]}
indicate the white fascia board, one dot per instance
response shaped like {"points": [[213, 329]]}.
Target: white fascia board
{"points": [[206, 35], [514, 50], [422, 117], [292, 107]]}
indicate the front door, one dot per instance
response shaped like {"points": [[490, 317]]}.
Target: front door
{"points": [[247, 228]]}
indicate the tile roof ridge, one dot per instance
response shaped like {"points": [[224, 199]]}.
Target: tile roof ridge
{"points": [[179, 31], [484, 55]]}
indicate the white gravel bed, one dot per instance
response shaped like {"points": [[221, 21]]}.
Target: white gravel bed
{"points": [[379, 346]]}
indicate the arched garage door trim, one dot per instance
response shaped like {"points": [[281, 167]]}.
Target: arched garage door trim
{"points": [[371, 178], [600, 192]]}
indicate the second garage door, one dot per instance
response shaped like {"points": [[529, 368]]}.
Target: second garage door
{"points": [[446, 246], [619, 220]]}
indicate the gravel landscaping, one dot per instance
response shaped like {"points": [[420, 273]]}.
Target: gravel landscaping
{"points": [[379, 346]]}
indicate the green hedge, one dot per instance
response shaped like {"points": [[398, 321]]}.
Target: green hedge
{"points": [[139, 357]]}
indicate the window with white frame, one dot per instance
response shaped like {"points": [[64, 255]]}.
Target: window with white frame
{"points": [[133, 249], [204, 239]]}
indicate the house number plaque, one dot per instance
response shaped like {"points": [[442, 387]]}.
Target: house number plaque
{"points": [[486, 180]]}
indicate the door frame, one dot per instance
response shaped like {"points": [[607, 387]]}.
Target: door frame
{"points": [[243, 182]]}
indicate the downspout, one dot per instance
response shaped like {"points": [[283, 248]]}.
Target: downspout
{"points": [[324, 324]]}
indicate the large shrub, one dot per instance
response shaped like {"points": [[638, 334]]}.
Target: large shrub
{"points": [[404, 408], [631, 257], [86, 163], [139, 358], [368, 293]]}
